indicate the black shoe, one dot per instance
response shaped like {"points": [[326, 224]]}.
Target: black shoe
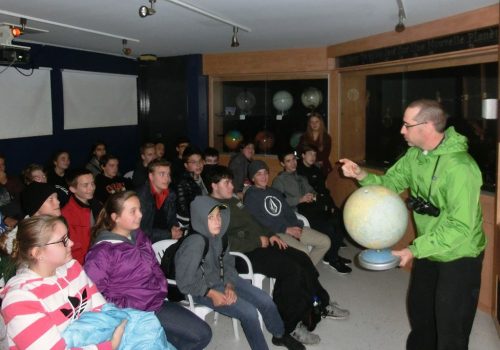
{"points": [[288, 342], [340, 267], [345, 260]]}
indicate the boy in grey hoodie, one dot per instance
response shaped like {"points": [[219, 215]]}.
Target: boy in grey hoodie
{"points": [[213, 281]]}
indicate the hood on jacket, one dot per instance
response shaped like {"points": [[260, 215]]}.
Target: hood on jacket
{"points": [[200, 208], [453, 142], [106, 235]]}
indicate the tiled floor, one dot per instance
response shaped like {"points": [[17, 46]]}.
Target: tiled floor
{"points": [[378, 315]]}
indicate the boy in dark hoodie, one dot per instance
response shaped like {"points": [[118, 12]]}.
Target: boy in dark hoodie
{"points": [[213, 281]]}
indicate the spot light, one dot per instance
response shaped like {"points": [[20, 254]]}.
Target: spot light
{"points": [[126, 50], [402, 16], [234, 39], [145, 11]]}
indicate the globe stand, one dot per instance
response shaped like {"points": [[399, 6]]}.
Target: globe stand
{"points": [[377, 259]]}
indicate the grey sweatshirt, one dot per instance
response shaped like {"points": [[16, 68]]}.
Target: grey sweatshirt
{"points": [[191, 277], [293, 186]]}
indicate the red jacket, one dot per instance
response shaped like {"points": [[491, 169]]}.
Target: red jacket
{"points": [[78, 218]]}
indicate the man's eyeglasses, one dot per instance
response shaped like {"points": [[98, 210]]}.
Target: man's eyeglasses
{"points": [[408, 126], [64, 240]]}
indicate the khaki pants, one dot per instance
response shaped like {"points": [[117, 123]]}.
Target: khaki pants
{"points": [[312, 242]]}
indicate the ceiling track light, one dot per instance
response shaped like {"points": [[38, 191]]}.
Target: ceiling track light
{"points": [[209, 14], [400, 26], [145, 11], [127, 51], [234, 39]]}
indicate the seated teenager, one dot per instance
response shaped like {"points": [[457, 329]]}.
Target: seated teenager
{"points": [[159, 150], [177, 167], [211, 156], [239, 166], [10, 189], [307, 166], [158, 204], [109, 182], [190, 184], [37, 199], [296, 277], [213, 280], [148, 154], [50, 289], [96, 153], [57, 175], [81, 211], [124, 267], [301, 197], [34, 173], [269, 207], [210, 159]]}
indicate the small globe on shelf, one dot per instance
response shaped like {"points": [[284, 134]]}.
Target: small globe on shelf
{"points": [[376, 218], [282, 101], [295, 139], [232, 139], [245, 101], [311, 97], [264, 140]]}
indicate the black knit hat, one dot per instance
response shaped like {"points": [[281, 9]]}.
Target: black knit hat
{"points": [[255, 166], [34, 195]]}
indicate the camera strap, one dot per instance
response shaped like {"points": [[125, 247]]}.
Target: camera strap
{"points": [[433, 178]]}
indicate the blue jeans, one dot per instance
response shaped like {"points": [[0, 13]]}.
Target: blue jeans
{"points": [[184, 329], [250, 299]]}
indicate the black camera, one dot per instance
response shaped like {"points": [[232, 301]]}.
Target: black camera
{"points": [[423, 207]]}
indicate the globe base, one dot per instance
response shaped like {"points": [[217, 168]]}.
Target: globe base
{"points": [[377, 259]]}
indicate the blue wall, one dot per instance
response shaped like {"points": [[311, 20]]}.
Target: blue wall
{"points": [[122, 141]]}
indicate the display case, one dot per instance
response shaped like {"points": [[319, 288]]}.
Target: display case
{"points": [[270, 112]]}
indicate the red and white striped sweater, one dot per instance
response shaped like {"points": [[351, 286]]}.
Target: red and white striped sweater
{"points": [[37, 310]]}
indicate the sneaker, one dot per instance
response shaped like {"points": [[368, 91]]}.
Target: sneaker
{"points": [[345, 260], [288, 342], [334, 312], [340, 267], [301, 334]]}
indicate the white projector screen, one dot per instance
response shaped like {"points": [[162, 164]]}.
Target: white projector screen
{"points": [[93, 100], [25, 104]]}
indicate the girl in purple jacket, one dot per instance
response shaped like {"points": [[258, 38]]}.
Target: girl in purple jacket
{"points": [[123, 265]]}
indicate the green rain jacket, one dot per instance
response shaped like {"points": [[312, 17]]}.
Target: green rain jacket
{"points": [[455, 189]]}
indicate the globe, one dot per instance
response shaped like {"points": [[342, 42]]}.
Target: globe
{"points": [[311, 97], [232, 139], [264, 140], [282, 101], [245, 101], [376, 218], [295, 139]]}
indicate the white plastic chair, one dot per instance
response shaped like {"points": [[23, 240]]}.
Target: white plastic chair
{"points": [[129, 174], [199, 310], [303, 219]]}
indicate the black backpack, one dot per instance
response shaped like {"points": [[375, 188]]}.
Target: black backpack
{"points": [[168, 262]]}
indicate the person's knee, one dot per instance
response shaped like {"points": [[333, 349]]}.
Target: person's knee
{"points": [[323, 241], [249, 315], [204, 335]]}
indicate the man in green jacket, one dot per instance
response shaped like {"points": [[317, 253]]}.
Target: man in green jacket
{"points": [[444, 183]]}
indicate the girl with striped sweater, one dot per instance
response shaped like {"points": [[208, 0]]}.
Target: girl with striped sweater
{"points": [[50, 289]]}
